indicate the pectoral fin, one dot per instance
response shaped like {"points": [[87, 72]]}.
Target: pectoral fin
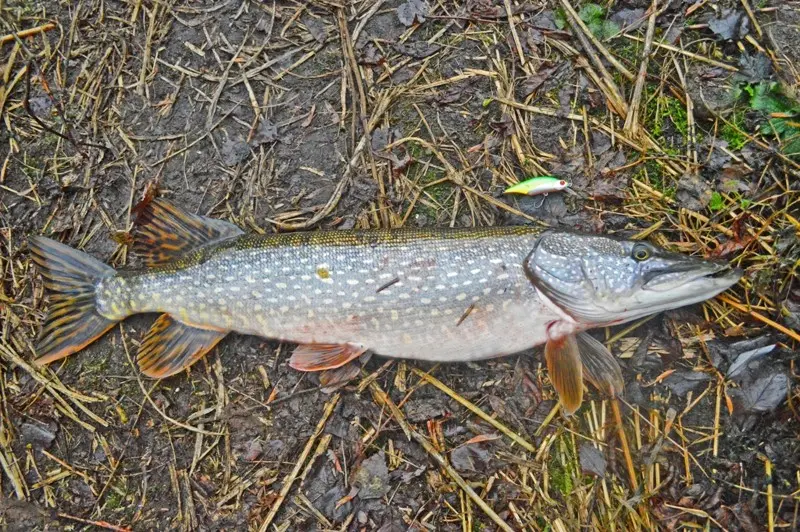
{"points": [[318, 357], [599, 366], [566, 371], [171, 346]]}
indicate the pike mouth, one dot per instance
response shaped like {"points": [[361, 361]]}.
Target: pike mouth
{"points": [[722, 272], [726, 272], [718, 274]]}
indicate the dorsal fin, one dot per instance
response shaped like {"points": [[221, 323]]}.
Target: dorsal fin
{"points": [[165, 232]]}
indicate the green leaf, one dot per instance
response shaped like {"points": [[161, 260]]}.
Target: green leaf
{"points": [[591, 13], [596, 27], [767, 97], [776, 125], [792, 148], [609, 28], [717, 202], [560, 18]]}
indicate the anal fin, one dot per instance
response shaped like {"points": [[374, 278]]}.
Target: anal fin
{"points": [[319, 357], [566, 371], [599, 366], [171, 346]]}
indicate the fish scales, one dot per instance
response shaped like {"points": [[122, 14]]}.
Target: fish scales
{"points": [[420, 294]]}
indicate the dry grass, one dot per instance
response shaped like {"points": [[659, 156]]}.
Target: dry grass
{"points": [[425, 124]]}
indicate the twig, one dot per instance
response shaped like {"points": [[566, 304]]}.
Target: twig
{"points": [[516, 438], [365, 18], [101, 524], [195, 141], [738, 306], [333, 201], [11, 469], [451, 472], [289, 480], [550, 416], [684, 52], [27, 33], [212, 107], [382, 397], [668, 165], [142, 85], [27, 105], [752, 16], [150, 399], [54, 386], [632, 120], [517, 43], [770, 501], [623, 439], [596, 42]]}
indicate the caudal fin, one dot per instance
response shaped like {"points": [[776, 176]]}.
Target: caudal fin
{"points": [[73, 321]]}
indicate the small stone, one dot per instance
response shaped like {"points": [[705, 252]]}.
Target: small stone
{"points": [[37, 435], [372, 477]]}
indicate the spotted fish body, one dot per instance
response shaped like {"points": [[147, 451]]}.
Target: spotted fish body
{"points": [[443, 295], [429, 294]]}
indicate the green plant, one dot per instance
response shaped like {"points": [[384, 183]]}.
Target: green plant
{"points": [[560, 18], [733, 132], [717, 202], [783, 114], [593, 16]]}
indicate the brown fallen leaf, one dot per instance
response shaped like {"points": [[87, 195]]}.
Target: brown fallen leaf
{"points": [[729, 247], [347, 498]]}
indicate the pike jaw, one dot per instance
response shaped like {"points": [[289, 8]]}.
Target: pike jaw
{"points": [[599, 280]]}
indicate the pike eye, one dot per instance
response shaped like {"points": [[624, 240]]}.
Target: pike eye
{"points": [[640, 252]]}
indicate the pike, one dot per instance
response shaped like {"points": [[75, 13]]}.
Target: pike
{"points": [[447, 295]]}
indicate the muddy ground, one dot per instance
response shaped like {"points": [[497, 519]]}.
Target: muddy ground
{"points": [[285, 116]]}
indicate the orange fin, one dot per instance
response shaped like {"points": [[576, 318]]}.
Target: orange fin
{"points": [[566, 374], [171, 346], [318, 357], [599, 366], [164, 232], [73, 321]]}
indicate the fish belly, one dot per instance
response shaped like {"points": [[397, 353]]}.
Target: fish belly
{"points": [[437, 299]]}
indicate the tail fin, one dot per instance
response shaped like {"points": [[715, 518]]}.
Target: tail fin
{"points": [[73, 321]]}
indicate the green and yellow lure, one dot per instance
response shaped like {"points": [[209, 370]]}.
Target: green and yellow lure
{"points": [[538, 185]]}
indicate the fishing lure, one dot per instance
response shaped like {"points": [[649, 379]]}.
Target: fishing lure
{"points": [[539, 185]]}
